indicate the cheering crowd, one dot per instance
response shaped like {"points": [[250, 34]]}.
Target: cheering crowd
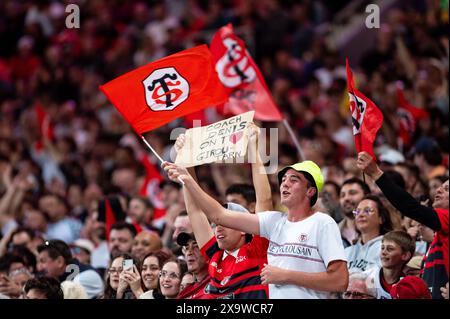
{"points": [[86, 211]]}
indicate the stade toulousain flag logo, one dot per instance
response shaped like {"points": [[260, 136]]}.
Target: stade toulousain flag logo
{"points": [[234, 67], [165, 89], [358, 110]]}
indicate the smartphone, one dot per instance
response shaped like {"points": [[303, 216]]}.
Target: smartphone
{"points": [[127, 264]]}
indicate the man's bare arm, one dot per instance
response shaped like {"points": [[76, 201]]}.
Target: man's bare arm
{"points": [[334, 279]]}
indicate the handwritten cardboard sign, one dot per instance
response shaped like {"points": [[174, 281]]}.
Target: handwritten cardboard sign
{"points": [[221, 141]]}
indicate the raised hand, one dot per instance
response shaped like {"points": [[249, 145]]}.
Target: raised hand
{"points": [[133, 278], [123, 284], [366, 163], [175, 172], [253, 132], [179, 143]]}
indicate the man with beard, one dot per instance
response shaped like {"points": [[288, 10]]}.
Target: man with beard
{"points": [[121, 238], [196, 265], [352, 192]]}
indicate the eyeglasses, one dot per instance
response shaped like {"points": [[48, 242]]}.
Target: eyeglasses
{"points": [[366, 211], [172, 276], [115, 270], [357, 295]]}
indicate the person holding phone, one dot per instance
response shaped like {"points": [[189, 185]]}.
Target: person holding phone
{"points": [[117, 286]]}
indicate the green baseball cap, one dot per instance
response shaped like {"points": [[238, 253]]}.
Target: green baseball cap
{"points": [[312, 172]]}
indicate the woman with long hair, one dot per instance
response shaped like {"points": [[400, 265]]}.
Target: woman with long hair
{"points": [[170, 277], [372, 221], [116, 286], [145, 284]]}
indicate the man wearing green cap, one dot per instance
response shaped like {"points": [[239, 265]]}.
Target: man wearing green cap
{"points": [[306, 257]]}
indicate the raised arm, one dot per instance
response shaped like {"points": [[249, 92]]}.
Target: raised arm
{"points": [[399, 198], [259, 175], [216, 213], [200, 224]]}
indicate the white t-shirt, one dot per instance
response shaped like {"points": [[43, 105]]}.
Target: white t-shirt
{"points": [[308, 245], [361, 257], [374, 283]]}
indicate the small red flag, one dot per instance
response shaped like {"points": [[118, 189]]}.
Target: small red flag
{"points": [[241, 76], [408, 116], [46, 128], [366, 117], [150, 188], [162, 91]]}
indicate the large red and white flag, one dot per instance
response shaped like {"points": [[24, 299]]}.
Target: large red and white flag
{"points": [[162, 91], [366, 117], [241, 76], [408, 115]]}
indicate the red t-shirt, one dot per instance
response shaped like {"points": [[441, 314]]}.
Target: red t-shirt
{"points": [[236, 278], [195, 290]]}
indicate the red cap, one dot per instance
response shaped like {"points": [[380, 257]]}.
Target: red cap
{"points": [[410, 287]]}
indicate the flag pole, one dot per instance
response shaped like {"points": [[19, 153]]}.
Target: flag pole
{"points": [[157, 155], [294, 138]]}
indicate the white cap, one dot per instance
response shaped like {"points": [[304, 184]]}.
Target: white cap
{"points": [[85, 244]]}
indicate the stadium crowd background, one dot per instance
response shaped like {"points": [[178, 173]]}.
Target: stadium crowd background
{"points": [[65, 151]]}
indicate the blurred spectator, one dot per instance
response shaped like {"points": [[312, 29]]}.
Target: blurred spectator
{"points": [[73, 290], [144, 243], [242, 194], [121, 238], [43, 288], [352, 192], [55, 260], [60, 226], [82, 250]]}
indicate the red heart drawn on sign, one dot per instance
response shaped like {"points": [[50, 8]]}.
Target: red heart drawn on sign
{"points": [[235, 137]]}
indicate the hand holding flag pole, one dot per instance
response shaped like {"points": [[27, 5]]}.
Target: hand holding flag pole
{"points": [[157, 155]]}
